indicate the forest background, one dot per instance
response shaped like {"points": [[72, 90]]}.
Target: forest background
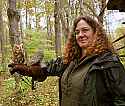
{"points": [[28, 27]]}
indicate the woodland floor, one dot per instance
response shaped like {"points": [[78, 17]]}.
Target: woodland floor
{"points": [[45, 94]]}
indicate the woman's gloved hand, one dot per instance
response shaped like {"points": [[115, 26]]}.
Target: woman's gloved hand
{"points": [[37, 71]]}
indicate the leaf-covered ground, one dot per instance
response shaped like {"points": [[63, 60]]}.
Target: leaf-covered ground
{"points": [[45, 94]]}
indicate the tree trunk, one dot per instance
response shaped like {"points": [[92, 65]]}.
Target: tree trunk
{"points": [[81, 7], [49, 27], [2, 44], [57, 30], [64, 19], [49, 31], [102, 8], [13, 23], [26, 13], [15, 40]]}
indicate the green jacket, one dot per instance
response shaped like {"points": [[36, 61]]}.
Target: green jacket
{"points": [[93, 81]]}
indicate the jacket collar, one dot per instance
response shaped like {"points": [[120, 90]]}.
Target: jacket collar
{"points": [[106, 57], [97, 59], [87, 59]]}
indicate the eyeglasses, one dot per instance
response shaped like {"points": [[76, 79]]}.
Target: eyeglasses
{"points": [[82, 30]]}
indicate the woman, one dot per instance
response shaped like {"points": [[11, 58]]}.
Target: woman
{"points": [[91, 73]]}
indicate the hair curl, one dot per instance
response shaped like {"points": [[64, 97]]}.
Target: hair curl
{"points": [[73, 51]]}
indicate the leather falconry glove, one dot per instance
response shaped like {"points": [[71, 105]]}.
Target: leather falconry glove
{"points": [[36, 71]]}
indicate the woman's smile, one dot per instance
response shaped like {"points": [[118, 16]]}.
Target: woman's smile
{"points": [[84, 34]]}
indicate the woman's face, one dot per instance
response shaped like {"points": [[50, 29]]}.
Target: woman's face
{"points": [[84, 34]]}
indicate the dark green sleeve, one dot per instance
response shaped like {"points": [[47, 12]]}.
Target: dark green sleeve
{"points": [[114, 74], [56, 67]]}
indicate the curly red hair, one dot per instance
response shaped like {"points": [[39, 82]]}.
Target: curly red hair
{"points": [[73, 51]]}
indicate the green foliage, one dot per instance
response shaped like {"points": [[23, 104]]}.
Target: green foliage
{"points": [[120, 30], [49, 54], [7, 56], [26, 84], [35, 40], [25, 4], [49, 7], [9, 86]]}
